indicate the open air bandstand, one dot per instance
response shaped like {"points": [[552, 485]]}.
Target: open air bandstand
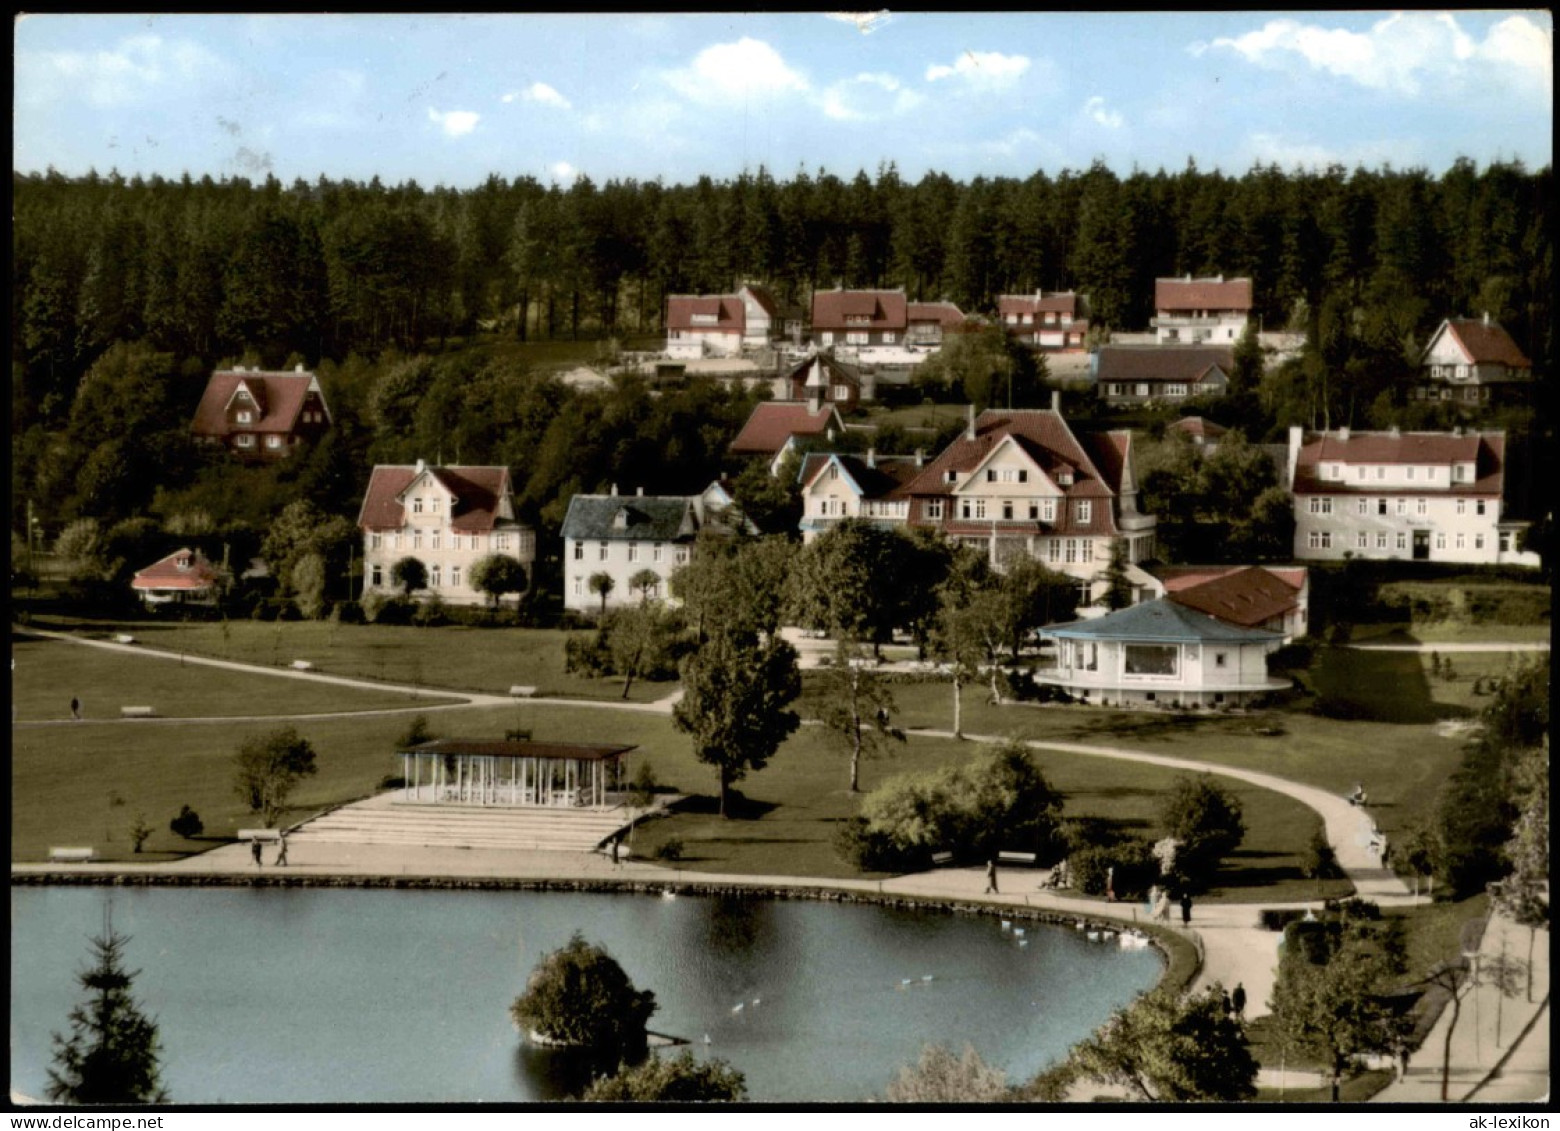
{"points": [[494, 772]]}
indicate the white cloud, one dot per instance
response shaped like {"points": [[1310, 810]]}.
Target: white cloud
{"points": [[455, 123], [744, 69], [868, 97], [1400, 53], [562, 171], [1095, 109], [981, 68], [1272, 149], [541, 93], [1018, 141], [133, 69]]}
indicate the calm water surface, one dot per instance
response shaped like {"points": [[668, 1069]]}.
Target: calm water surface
{"points": [[315, 995]]}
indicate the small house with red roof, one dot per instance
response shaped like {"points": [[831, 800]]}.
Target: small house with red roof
{"points": [[184, 577], [1019, 482], [1129, 375], [1472, 361], [448, 518], [820, 379], [1201, 311], [721, 325], [774, 427], [1275, 598], [260, 414], [1411, 496], [1054, 322], [928, 323]]}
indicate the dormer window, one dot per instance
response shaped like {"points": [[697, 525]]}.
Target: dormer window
{"points": [[950, 476], [620, 520], [182, 562], [1064, 477], [245, 416]]}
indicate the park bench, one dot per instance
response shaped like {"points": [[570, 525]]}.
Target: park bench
{"points": [[268, 836], [941, 858], [522, 691], [124, 638], [70, 855], [302, 666], [137, 712], [1016, 857]]}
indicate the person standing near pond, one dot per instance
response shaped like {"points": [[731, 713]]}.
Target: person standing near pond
{"points": [[281, 852], [991, 877], [254, 850], [1238, 1001], [1186, 910]]}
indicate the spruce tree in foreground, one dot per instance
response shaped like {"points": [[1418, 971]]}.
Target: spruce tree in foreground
{"points": [[111, 1054]]}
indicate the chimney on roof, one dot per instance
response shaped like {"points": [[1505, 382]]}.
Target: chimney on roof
{"points": [[1393, 431], [1056, 401], [920, 457], [871, 457], [639, 492], [420, 468], [1188, 276], [969, 431], [1486, 317], [1343, 433], [298, 368], [614, 490]]}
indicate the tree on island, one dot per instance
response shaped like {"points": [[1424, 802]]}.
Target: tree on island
{"points": [[580, 997], [111, 1055], [677, 1079], [268, 767]]}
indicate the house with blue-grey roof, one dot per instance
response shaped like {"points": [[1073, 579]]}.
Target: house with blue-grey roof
{"points": [[1161, 653], [623, 536]]}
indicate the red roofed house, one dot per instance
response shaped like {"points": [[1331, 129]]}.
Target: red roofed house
{"points": [[773, 426], [184, 577], [1020, 482], [448, 518], [822, 380], [720, 325], [1194, 311], [1425, 496], [927, 323], [1276, 598], [261, 414], [1472, 361], [836, 487], [1143, 374], [1055, 321], [860, 318], [1204, 432]]}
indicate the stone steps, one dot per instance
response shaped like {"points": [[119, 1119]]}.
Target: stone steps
{"points": [[557, 830]]}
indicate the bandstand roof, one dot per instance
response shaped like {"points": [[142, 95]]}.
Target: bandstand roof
{"points": [[509, 748]]}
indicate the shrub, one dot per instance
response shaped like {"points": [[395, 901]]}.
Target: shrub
{"points": [[579, 996], [140, 830], [1136, 869], [416, 733], [670, 849], [429, 613], [1319, 862], [587, 654], [872, 850], [678, 1079], [187, 824]]}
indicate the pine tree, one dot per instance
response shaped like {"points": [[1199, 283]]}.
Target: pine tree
{"points": [[111, 1054]]}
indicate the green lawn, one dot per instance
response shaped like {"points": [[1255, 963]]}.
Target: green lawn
{"points": [[455, 657], [930, 416], [1450, 632], [47, 674]]}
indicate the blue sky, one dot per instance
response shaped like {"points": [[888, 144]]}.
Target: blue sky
{"points": [[451, 99]]}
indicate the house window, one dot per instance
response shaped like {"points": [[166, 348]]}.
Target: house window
{"points": [[579, 551], [1440, 540], [1007, 509], [433, 540], [417, 506], [633, 551], [501, 542], [433, 506], [1381, 506], [1478, 541], [1411, 470], [1053, 549], [245, 441], [1462, 506], [1420, 506], [601, 552], [435, 577], [1459, 473], [1321, 504], [1320, 539], [656, 551], [1478, 506], [417, 539], [680, 555], [950, 476], [1085, 511], [1088, 549], [1034, 510], [842, 392], [857, 337], [1175, 389], [1381, 540], [1430, 474], [1363, 541], [395, 541], [245, 416], [454, 576], [934, 508], [377, 576], [1381, 473], [1152, 659], [1505, 542], [1048, 510], [1462, 540], [1363, 506], [1402, 540], [1360, 473], [579, 587], [374, 541], [1072, 550], [1402, 506], [991, 475], [1219, 659]]}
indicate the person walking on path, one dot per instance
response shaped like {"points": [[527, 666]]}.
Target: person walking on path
{"points": [[75, 708], [254, 850], [991, 877], [1186, 911], [615, 842], [1238, 1000], [281, 852]]}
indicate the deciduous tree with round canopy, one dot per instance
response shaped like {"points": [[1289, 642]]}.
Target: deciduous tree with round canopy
{"points": [[579, 996]]}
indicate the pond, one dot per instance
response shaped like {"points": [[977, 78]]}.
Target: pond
{"points": [[316, 995]]}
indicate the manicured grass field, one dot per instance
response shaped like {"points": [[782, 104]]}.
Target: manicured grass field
{"points": [[451, 656], [1450, 632], [47, 674]]}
